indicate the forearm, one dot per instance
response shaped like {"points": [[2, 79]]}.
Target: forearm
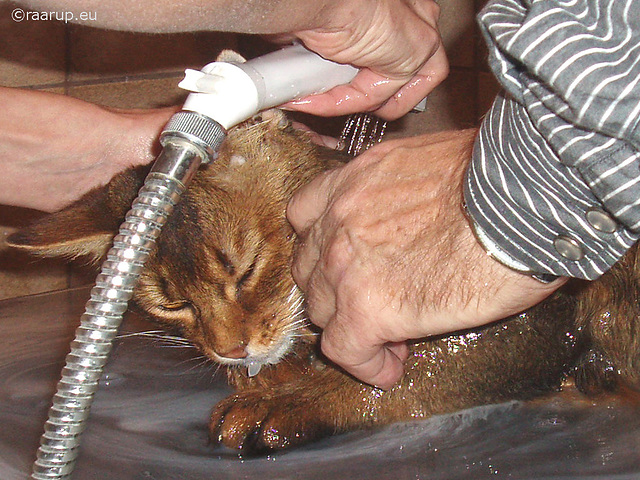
{"points": [[243, 16], [55, 148]]}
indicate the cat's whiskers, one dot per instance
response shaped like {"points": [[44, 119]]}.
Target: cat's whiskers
{"points": [[297, 322], [202, 361], [296, 318], [205, 367], [146, 333], [296, 325], [295, 298], [164, 339]]}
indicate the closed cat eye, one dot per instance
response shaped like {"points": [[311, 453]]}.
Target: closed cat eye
{"points": [[246, 275], [175, 306]]}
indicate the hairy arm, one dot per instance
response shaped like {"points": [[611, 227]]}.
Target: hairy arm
{"points": [[55, 148]]}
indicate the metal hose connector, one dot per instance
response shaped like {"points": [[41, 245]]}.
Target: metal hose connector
{"points": [[109, 299]]}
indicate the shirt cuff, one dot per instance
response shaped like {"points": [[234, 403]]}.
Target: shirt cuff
{"points": [[539, 211]]}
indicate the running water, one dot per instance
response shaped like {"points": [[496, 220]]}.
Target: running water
{"points": [[361, 131], [149, 420]]}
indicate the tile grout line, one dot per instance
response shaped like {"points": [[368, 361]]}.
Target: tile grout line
{"points": [[67, 58], [107, 80], [68, 271]]}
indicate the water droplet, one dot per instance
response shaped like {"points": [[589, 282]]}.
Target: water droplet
{"points": [[253, 369]]}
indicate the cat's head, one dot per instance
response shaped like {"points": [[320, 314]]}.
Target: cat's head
{"points": [[220, 272]]}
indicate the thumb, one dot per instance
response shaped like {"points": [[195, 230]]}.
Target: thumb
{"points": [[379, 364]]}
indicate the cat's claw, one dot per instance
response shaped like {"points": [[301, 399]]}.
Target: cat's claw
{"points": [[255, 422]]}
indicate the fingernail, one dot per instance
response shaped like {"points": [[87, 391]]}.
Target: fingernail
{"points": [[331, 142]]}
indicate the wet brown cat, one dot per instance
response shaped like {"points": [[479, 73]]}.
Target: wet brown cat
{"points": [[221, 276]]}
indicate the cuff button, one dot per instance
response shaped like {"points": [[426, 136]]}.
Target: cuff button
{"points": [[601, 220], [568, 247]]}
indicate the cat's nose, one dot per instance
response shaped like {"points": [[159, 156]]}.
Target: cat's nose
{"points": [[236, 353]]}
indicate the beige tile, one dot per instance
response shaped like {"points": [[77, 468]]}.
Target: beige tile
{"points": [[458, 31], [482, 54], [98, 54], [488, 87], [450, 106], [32, 52], [56, 90], [21, 274], [149, 93], [481, 46], [479, 4]]}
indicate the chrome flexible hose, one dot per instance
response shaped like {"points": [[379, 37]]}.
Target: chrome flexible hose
{"points": [[189, 139], [230, 93]]}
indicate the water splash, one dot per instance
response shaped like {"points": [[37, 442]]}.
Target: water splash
{"points": [[361, 131]]}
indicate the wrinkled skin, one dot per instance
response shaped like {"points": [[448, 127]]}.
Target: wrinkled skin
{"points": [[387, 254]]}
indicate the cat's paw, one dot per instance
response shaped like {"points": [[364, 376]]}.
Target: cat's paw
{"points": [[258, 422]]}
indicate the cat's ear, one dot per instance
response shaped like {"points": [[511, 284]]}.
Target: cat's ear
{"points": [[275, 117], [86, 228], [230, 56]]}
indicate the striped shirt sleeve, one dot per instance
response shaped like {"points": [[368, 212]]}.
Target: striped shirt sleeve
{"points": [[554, 182]]}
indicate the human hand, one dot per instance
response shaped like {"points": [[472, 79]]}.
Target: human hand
{"points": [[386, 254], [69, 147], [396, 45]]}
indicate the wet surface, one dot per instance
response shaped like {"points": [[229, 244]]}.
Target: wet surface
{"points": [[149, 420]]}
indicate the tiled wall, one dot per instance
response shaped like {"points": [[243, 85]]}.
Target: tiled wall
{"points": [[126, 70]]}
